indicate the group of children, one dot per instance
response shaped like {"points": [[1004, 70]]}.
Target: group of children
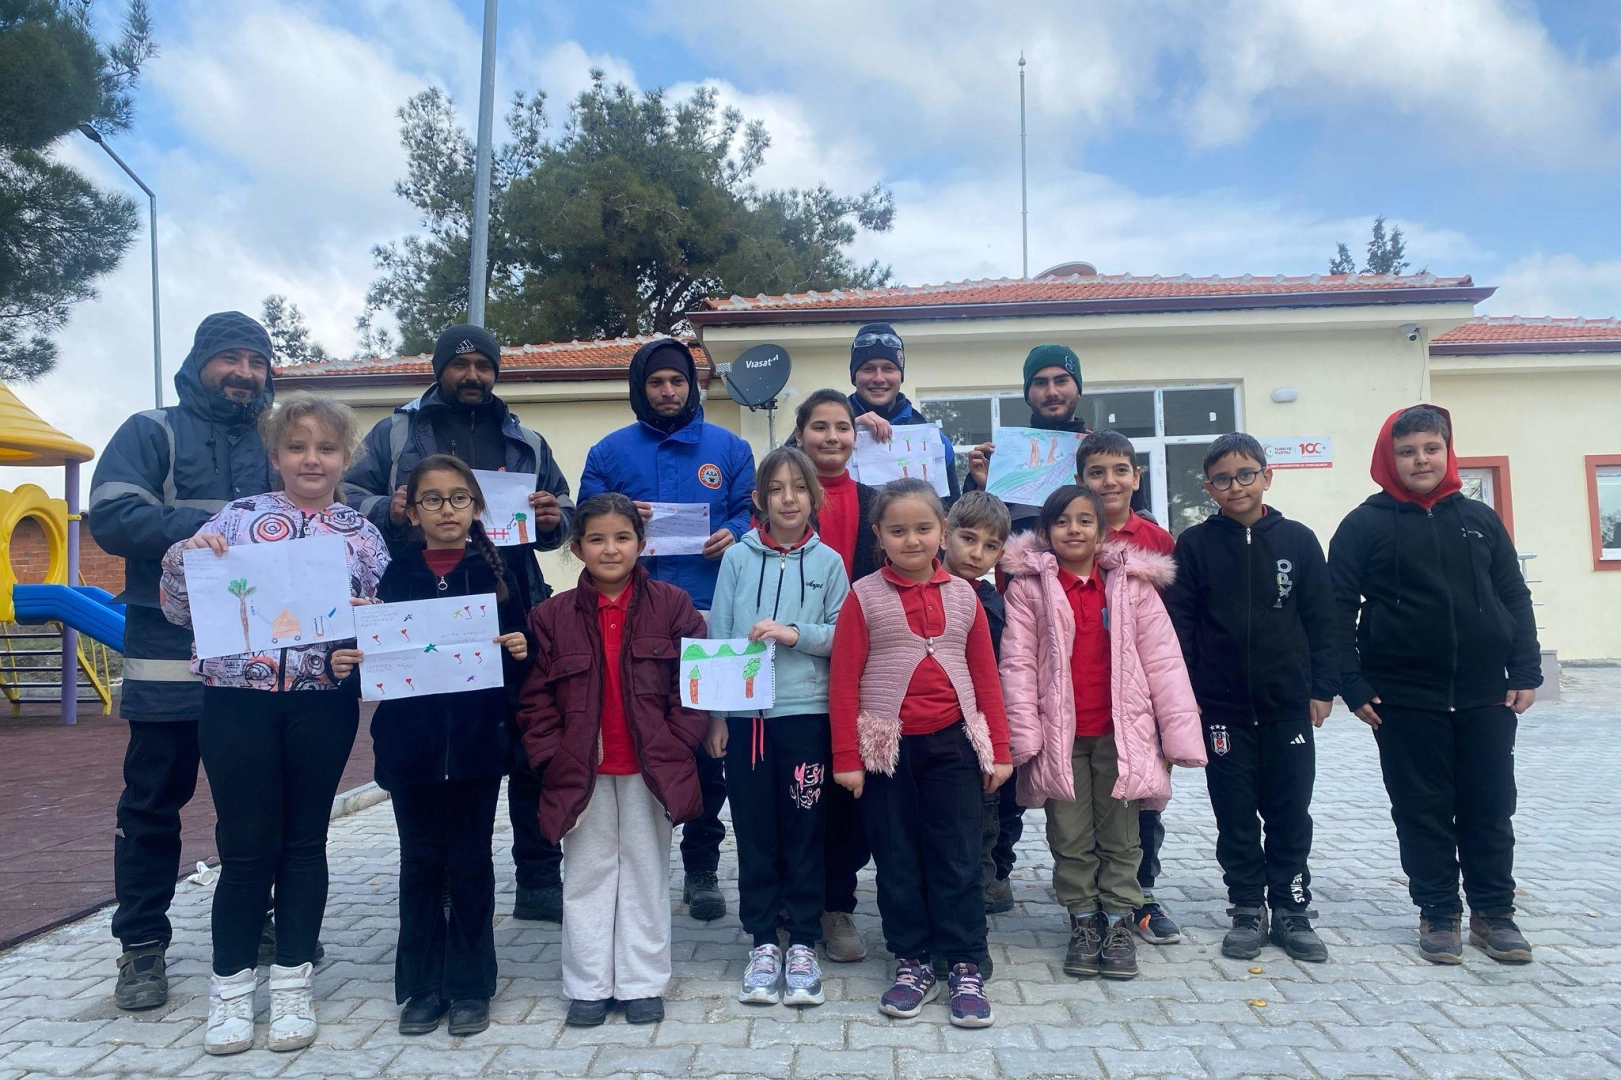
{"points": [[909, 692]]}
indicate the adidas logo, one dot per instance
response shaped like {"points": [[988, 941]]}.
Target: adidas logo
{"points": [[1298, 740], [466, 346]]}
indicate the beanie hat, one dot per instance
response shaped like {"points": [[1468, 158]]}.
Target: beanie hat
{"points": [[229, 330], [668, 354], [1047, 356], [877, 350], [465, 338]]}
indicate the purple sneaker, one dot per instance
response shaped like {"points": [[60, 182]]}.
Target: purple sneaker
{"points": [[914, 987], [969, 1006]]}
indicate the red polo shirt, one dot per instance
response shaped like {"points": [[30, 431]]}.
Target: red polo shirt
{"points": [[840, 518], [618, 750], [1089, 659], [1140, 532]]}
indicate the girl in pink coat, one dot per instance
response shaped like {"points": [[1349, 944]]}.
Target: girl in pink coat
{"points": [[1099, 706]]}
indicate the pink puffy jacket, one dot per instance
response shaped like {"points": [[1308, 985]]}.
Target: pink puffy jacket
{"points": [[1155, 717]]}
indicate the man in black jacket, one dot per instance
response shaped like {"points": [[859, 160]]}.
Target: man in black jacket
{"points": [[1254, 611], [1438, 654]]}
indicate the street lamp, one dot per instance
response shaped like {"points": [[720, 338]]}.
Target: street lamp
{"points": [[152, 210]]}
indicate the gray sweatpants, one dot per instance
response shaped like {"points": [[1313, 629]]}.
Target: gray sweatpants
{"points": [[616, 895]]}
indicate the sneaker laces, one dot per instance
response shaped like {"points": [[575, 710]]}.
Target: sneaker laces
{"points": [[967, 980], [1084, 930], [910, 974], [239, 1007], [298, 1003], [762, 960], [1150, 909], [801, 960], [1118, 931], [1502, 922]]}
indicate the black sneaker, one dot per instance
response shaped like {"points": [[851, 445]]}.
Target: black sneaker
{"points": [[544, 904], [1499, 937], [1117, 959], [701, 893], [644, 1010], [267, 945], [469, 1016], [1085, 943], [1292, 932], [422, 1014], [1438, 939], [1248, 936], [585, 1013], [1154, 924], [143, 979]]}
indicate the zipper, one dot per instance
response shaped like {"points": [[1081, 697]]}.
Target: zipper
{"points": [[1249, 620], [1452, 614], [782, 569]]}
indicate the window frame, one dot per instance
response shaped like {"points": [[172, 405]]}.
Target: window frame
{"points": [[1593, 463], [1502, 491]]}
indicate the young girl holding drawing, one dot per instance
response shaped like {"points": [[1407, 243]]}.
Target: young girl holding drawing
{"points": [[442, 756], [603, 720], [781, 584], [276, 728], [918, 736]]}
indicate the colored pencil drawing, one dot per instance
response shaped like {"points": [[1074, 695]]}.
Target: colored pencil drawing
{"points": [[728, 675], [915, 450], [1031, 463], [423, 647], [263, 596]]}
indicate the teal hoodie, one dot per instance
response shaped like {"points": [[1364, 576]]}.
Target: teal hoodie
{"points": [[803, 588]]}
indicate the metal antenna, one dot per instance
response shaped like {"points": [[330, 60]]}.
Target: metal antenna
{"points": [[1024, 189]]}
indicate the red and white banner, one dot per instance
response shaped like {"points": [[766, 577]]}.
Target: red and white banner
{"points": [[1299, 453]]}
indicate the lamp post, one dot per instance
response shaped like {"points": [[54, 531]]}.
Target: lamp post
{"points": [[478, 271], [152, 228], [1024, 187]]}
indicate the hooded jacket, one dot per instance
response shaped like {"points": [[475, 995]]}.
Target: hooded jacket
{"points": [[1254, 611], [694, 463], [165, 472], [1155, 717], [1433, 610], [560, 709], [803, 588], [902, 413]]}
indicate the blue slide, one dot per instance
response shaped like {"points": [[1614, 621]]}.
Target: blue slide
{"points": [[87, 609]]}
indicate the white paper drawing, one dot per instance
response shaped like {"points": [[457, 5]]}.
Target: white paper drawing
{"points": [[728, 674], [417, 647], [1031, 463], [269, 596], [913, 450], [508, 518], [678, 529]]}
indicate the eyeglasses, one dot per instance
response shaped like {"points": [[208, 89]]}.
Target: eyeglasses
{"points": [[434, 501], [1245, 477], [865, 340]]}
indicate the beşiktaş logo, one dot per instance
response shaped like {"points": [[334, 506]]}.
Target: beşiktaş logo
{"points": [[1297, 889], [1286, 583], [1219, 739]]}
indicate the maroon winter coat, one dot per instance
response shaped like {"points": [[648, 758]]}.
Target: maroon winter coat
{"points": [[560, 709]]}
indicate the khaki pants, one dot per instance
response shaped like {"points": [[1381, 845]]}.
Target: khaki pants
{"points": [[1094, 839]]}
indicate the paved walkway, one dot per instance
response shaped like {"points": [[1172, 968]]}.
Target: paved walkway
{"points": [[1376, 1010]]}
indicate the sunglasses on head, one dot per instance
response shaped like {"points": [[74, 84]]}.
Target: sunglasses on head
{"points": [[864, 341]]}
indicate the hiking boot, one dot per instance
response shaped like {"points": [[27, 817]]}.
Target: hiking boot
{"points": [[645, 1010], [701, 893], [292, 1007], [583, 1012], [230, 1012], [970, 1007], [1438, 940], [543, 904], [143, 979], [267, 945], [422, 1014], [1117, 958], [1499, 937], [841, 941], [1248, 935], [803, 977], [1085, 943], [914, 987], [1154, 924], [762, 982], [468, 1016], [998, 896], [1292, 932]]}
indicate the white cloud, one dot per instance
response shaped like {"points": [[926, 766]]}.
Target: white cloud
{"points": [[1557, 285]]}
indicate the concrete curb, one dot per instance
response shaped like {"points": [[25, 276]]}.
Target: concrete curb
{"points": [[356, 799]]}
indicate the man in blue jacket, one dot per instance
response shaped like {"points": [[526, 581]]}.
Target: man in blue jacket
{"points": [[671, 455], [164, 473], [461, 415]]}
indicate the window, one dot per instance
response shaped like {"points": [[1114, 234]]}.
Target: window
{"points": [[1170, 426], [1485, 479], [1604, 506]]}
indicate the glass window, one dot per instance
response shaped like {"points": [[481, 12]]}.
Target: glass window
{"points": [[1186, 500], [966, 421], [1199, 412], [1012, 410], [1607, 481], [1145, 472], [1477, 485], [1130, 412]]}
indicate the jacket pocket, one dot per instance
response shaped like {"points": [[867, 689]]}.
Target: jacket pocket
{"points": [[652, 665], [567, 676]]}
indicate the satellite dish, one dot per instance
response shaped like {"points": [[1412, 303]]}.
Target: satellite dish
{"points": [[758, 376]]}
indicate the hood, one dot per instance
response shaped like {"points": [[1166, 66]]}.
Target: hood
{"points": [[218, 332], [643, 363], [899, 409], [1384, 471], [1024, 553], [1156, 569]]}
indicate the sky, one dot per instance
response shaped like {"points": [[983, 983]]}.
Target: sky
{"points": [[1165, 137]]}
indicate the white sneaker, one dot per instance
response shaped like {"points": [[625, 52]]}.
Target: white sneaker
{"points": [[292, 1008], [230, 1012], [803, 978], [762, 982]]}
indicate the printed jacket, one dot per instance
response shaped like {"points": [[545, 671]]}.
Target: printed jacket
{"points": [[803, 588], [560, 709], [1155, 717], [1254, 611], [902, 413], [267, 519]]}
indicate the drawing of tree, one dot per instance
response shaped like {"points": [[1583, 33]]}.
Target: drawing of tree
{"points": [[242, 590], [750, 670], [522, 522], [692, 683]]}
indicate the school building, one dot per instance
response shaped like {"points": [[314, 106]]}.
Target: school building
{"points": [[1311, 365]]}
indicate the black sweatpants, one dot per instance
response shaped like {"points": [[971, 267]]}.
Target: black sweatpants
{"points": [[1262, 775], [1002, 819], [538, 862], [701, 837], [846, 851], [1450, 776], [160, 777], [778, 772], [1151, 832], [924, 824], [446, 831], [274, 760]]}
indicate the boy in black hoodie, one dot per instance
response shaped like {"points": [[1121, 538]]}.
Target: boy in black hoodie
{"points": [[1439, 655], [1254, 611]]}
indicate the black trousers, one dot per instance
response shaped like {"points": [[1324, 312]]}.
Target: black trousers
{"points": [[274, 761], [446, 832], [778, 773], [1002, 819], [701, 837], [1262, 774], [1151, 831], [160, 777], [845, 852], [924, 824], [538, 862], [1450, 776]]}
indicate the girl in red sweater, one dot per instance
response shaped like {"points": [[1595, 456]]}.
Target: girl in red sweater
{"points": [[919, 735]]}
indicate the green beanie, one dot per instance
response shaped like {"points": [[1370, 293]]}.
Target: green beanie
{"points": [[1046, 356]]}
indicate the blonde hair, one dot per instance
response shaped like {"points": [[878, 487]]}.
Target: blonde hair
{"points": [[336, 417]]}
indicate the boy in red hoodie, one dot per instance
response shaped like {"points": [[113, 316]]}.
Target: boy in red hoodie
{"points": [[1439, 655]]}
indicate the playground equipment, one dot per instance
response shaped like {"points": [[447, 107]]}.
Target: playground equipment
{"points": [[25, 439]]}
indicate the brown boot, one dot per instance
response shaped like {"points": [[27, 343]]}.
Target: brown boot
{"points": [[1499, 937], [1085, 943], [1438, 939]]}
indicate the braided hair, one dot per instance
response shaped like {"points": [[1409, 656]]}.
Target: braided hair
{"points": [[477, 538]]}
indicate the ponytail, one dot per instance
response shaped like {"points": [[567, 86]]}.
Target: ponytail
{"points": [[480, 541]]}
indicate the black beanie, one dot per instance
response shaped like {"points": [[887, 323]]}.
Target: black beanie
{"points": [[230, 330], [860, 354], [465, 338], [668, 354]]}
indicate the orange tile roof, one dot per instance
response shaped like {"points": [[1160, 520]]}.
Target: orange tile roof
{"points": [[1521, 330], [604, 358]]}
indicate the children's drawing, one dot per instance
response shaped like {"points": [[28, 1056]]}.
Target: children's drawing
{"points": [[1031, 463], [426, 657], [729, 675], [912, 451], [269, 596], [507, 519], [678, 529]]}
